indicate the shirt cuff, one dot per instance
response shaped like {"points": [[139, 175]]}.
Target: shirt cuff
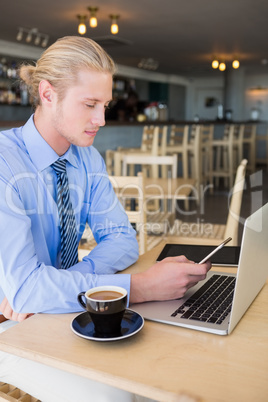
{"points": [[122, 280]]}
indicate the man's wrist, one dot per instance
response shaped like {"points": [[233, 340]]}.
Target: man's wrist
{"points": [[138, 287]]}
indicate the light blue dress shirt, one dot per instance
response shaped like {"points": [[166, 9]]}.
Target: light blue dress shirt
{"points": [[30, 274]]}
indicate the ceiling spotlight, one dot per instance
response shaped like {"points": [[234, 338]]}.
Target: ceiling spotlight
{"points": [[93, 22], [236, 64], [215, 64], [114, 26], [45, 41], [29, 37], [222, 66], [82, 29], [19, 34], [37, 40]]}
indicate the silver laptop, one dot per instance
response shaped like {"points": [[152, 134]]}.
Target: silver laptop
{"points": [[218, 303]]}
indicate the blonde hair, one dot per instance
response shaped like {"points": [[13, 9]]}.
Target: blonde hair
{"points": [[61, 62]]}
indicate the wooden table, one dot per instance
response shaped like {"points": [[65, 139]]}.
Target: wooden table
{"points": [[162, 362], [164, 189], [119, 155]]}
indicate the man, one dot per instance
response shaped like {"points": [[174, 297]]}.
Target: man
{"points": [[71, 87]]}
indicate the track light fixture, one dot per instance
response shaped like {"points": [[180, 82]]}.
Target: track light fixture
{"points": [[82, 29], [114, 25], [32, 35], [222, 65], [93, 22]]}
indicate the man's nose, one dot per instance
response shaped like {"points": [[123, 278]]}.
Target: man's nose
{"points": [[99, 118]]}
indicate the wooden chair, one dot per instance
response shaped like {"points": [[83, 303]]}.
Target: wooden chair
{"points": [[159, 220], [121, 185], [109, 160], [248, 139], [206, 154], [213, 234], [223, 156], [153, 142], [178, 143], [194, 154], [185, 142], [113, 158], [239, 130], [159, 161]]}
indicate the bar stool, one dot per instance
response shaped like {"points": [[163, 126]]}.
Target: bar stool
{"points": [[185, 142], [178, 141], [249, 145], [194, 155], [206, 154]]}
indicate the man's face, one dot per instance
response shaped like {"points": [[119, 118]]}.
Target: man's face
{"points": [[77, 118]]}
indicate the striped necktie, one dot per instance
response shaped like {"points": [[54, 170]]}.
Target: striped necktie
{"points": [[68, 233]]}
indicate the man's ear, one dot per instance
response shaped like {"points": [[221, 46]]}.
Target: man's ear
{"points": [[46, 92]]}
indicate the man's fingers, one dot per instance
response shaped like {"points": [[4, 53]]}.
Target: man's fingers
{"points": [[6, 309], [178, 258], [10, 314], [3, 305], [21, 317], [199, 269]]}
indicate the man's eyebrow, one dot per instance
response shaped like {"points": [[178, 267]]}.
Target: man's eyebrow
{"points": [[96, 100], [92, 99]]}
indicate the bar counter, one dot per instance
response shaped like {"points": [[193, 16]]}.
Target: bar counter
{"points": [[129, 134], [112, 123]]}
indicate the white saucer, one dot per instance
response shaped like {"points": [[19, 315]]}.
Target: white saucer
{"points": [[83, 326]]}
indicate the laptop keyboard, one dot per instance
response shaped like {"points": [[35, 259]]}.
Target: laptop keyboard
{"points": [[210, 303]]}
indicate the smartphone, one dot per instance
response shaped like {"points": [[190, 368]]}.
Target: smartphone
{"points": [[215, 250]]}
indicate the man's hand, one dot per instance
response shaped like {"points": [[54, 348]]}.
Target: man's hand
{"points": [[167, 280], [10, 314]]}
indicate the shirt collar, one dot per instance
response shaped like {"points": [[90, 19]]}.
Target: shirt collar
{"points": [[40, 152]]}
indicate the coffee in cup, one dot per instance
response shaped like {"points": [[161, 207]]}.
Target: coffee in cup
{"points": [[106, 306]]}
